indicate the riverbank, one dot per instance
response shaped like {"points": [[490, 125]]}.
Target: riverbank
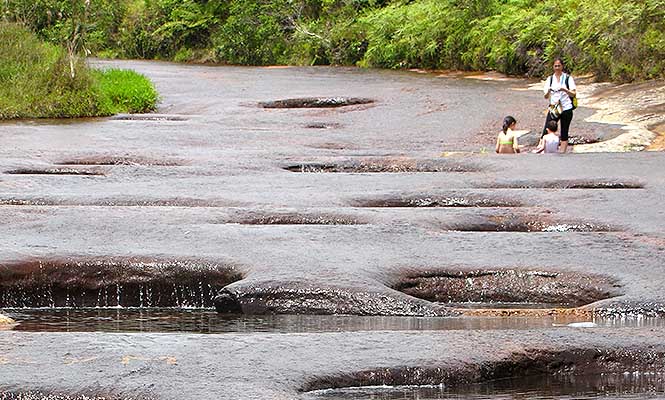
{"points": [[41, 80]]}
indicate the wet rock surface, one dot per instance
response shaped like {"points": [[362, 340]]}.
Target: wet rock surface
{"points": [[305, 298], [37, 395], [210, 190]]}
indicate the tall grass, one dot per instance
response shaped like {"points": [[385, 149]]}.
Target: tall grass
{"points": [[36, 82], [125, 91]]}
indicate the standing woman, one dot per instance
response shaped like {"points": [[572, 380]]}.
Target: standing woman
{"points": [[560, 89]]}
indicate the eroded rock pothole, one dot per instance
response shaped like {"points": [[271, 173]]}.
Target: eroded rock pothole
{"points": [[599, 372], [452, 200], [112, 282], [384, 166], [148, 117], [56, 171], [524, 223], [298, 219], [315, 102], [322, 125], [121, 160], [568, 184], [515, 287], [115, 202]]}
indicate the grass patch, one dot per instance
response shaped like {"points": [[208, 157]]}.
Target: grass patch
{"points": [[35, 82]]}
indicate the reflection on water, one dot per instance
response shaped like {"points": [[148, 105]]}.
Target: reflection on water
{"points": [[209, 321], [628, 385], [504, 305]]}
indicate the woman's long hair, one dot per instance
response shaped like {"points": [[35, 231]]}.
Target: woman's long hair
{"points": [[509, 120]]}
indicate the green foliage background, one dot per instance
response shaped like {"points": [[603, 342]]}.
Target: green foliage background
{"points": [[619, 40], [35, 82]]}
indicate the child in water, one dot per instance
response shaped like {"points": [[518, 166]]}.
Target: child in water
{"points": [[506, 142], [550, 142]]}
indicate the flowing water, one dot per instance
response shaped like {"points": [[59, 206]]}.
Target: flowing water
{"points": [[623, 386], [209, 321]]}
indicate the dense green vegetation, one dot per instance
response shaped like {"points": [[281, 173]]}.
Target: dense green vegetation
{"points": [[40, 80], [621, 40]]}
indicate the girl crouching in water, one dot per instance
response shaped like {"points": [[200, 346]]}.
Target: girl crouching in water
{"points": [[506, 142]]}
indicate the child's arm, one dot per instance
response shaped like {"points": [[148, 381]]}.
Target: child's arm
{"points": [[516, 146], [541, 146], [496, 148]]}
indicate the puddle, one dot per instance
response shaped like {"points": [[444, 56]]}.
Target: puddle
{"points": [[619, 386], [315, 102], [205, 321]]}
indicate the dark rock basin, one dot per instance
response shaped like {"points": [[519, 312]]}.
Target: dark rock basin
{"points": [[452, 200], [110, 282], [528, 287], [384, 166], [604, 369], [315, 102], [619, 386], [601, 183], [120, 160], [506, 222], [54, 171]]}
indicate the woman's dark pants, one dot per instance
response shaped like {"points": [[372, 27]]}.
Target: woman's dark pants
{"points": [[566, 117]]}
